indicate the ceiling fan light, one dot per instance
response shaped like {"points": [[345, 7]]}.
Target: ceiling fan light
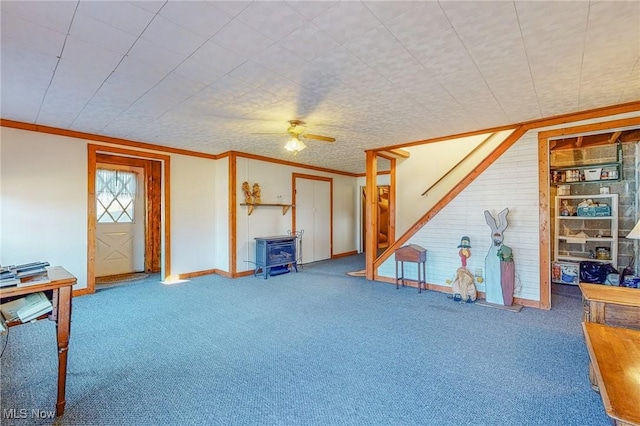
{"points": [[295, 145]]}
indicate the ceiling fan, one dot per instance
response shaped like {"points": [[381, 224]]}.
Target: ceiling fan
{"points": [[296, 131]]}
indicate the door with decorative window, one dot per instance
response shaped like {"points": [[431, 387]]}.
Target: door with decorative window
{"points": [[120, 217]]}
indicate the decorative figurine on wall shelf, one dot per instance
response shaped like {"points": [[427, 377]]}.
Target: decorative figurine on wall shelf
{"points": [[256, 194], [248, 197]]}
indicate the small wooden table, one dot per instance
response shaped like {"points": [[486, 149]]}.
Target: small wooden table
{"points": [[615, 357], [61, 284], [617, 306], [412, 253]]}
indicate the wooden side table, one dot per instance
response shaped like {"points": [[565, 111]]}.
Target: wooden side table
{"points": [[416, 254], [614, 354], [61, 283], [617, 306]]}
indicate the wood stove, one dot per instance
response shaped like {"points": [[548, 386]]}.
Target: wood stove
{"points": [[277, 251]]}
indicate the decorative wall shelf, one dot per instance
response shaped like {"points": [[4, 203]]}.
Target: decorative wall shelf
{"points": [[285, 207]]}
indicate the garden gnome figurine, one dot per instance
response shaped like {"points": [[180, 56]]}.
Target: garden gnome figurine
{"points": [[464, 253]]}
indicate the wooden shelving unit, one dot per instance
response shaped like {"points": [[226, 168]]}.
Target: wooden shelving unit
{"points": [[285, 207]]}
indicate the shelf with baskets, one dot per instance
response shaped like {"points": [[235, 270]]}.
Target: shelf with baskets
{"points": [[605, 172], [584, 233]]}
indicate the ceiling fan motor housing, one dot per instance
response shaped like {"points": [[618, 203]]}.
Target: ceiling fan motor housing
{"points": [[296, 127]]}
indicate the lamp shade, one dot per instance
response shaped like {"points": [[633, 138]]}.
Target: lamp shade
{"points": [[635, 232], [295, 145]]}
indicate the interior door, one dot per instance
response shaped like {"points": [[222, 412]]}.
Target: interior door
{"points": [[313, 216], [120, 213]]}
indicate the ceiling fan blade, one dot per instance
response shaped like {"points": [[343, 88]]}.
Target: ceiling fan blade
{"points": [[318, 137]]}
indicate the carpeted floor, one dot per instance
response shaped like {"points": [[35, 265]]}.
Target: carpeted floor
{"points": [[316, 347]]}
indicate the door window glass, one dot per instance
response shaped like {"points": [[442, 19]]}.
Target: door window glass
{"points": [[116, 192]]}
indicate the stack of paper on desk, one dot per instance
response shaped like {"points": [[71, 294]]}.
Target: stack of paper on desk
{"points": [[26, 308]]}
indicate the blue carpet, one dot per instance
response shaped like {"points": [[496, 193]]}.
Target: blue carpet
{"points": [[316, 347]]}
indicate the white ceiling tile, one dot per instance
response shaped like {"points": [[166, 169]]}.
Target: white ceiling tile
{"points": [[16, 104], [252, 73], [309, 42], [100, 34], [346, 20], [141, 70], [92, 59], [311, 9], [278, 59], [242, 39], [218, 58], [119, 14], [198, 16], [165, 33], [387, 10], [222, 91], [55, 15], [151, 53], [73, 75], [196, 71], [30, 35], [121, 90], [153, 6], [273, 19], [233, 7], [282, 87]]}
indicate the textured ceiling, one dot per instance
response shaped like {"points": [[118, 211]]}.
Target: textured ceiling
{"points": [[206, 76]]}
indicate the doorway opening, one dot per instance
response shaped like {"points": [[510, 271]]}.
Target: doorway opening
{"points": [[383, 235], [128, 231]]}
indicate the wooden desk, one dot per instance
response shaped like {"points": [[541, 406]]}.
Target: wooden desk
{"points": [[61, 284], [617, 306], [412, 253], [615, 357]]}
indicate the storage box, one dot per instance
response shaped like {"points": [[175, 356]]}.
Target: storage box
{"points": [[593, 174], [565, 273], [594, 211], [564, 190]]}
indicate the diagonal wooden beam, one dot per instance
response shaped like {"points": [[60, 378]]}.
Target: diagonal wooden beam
{"points": [[395, 153], [614, 137], [579, 141]]}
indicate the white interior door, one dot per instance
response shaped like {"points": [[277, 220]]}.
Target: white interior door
{"points": [[313, 216], [120, 205]]}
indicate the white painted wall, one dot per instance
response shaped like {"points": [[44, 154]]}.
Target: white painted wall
{"points": [[427, 164], [43, 216], [43, 213], [193, 213], [275, 182]]}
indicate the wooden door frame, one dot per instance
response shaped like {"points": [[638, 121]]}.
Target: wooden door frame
{"points": [[363, 216], [295, 176], [114, 155]]}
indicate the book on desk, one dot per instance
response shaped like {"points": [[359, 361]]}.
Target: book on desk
{"points": [[24, 275], [26, 308]]}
